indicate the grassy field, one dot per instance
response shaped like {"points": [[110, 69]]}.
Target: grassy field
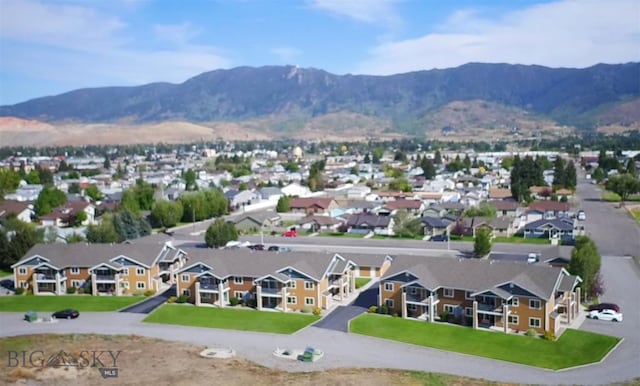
{"points": [[635, 212], [231, 319], [6, 272], [362, 281], [610, 197], [573, 348], [55, 303]]}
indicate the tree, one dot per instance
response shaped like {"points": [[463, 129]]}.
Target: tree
{"points": [[559, 176], [166, 214], [466, 162], [216, 204], [9, 181], [483, 210], [571, 179], [428, 168], [631, 168], [378, 153], [367, 159], [400, 184], [48, 199], [283, 205], [45, 176], [129, 225], [597, 286], [190, 180], [107, 163], [75, 238], [400, 156], [406, 225], [291, 166], [624, 185], [74, 188], [585, 262], [437, 158], [79, 218], [482, 242], [219, 233], [243, 186], [93, 192], [598, 174], [16, 238], [33, 178], [103, 233]]}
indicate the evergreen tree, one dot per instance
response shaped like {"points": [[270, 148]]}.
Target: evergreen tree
{"points": [[482, 242], [283, 205], [585, 262], [437, 158], [559, 175], [130, 225], [103, 233], [631, 168], [428, 169], [219, 233], [571, 179]]}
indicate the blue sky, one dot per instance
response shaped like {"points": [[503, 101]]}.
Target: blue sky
{"points": [[50, 47]]}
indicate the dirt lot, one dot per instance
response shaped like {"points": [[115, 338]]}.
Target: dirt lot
{"points": [[145, 361]]}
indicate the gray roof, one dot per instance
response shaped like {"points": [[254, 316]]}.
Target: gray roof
{"points": [[560, 224], [477, 274], [248, 263], [558, 251], [365, 260], [89, 255]]}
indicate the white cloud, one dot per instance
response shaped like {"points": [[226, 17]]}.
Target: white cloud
{"points": [[178, 34], [571, 33], [367, 11], [285, 54], [78, 46]]}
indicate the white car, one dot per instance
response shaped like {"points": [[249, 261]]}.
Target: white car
{"points": [[609, 315], [582, 216]]}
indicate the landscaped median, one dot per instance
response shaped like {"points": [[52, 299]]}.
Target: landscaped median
{"points": [[573, 348], [231, 319], [85, 303]]}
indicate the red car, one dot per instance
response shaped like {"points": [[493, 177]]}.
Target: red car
{"points": [[290, 233]]}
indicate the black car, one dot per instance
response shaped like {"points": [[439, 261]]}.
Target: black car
{"points": [[257, 247], [604, 306], [66, 314], [439, 238], [274, 248]]}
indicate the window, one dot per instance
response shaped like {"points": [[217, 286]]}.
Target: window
{"points": [[513, 319], [534, 304], [468, 311], [125, 271], [75, 270], [309, 301], [186, 292], [140, 271], [413, 290], [204, 295], [140, 285], [388, 286], [291, 284], [76, 283], [449, 308], [388, 303], [23, 284], [534, 322], [186, 278], [238, 280], [448, 292], [515, 302], [22, 271], [412, 307], [467, 295], [124, 284], [238, 295], [308, 285], [293, 300]]}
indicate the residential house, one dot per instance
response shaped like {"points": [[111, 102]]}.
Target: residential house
{"points": [[553, 228], [369, 265], [480, 293], [316, 223], [25, 192], [281, 281], [496, 193], [240, 198], [365, 222], [413, 207], [22, 210], [557, 255], [455, 208], [434, 226], [551, 209], [116, 269], [295, 190], [256, 221], [315, 205], [506, 208], [66, 214], [270, 193]]}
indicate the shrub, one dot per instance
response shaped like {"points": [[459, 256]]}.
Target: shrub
{"points": [[373, 309], [234, 301], [384, 309], [306, 310], [19, 291], [172, 299], [138, 292], [549, 335], [317, 311], [71, 290], [182, 299], [149, 292], [531, 332], [444, 316], [80, 291]]}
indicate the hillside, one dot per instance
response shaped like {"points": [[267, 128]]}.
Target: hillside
{"points": [[285, 99]]}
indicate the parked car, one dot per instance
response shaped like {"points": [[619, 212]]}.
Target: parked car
{"points": [[581, 215], [609, 315], [290, 233], [273, 248], [439, 238], [257, 247], [8, 284], [66, 314], [604, 306], [532, 258]]}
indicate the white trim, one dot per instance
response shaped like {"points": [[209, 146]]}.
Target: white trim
{"points": [[241, 293], [445, 290], [187, 276], [293, 299], [515, 302], [309, 301], [74, 270], [140, 271], [531, 325], [22, 270], [450, 308], [388, 286], [309, 285], [186, 292], [388, 303], [513, 319], [468, 295], [236, 281], [144, 285], [539, 304], [291, 284]]}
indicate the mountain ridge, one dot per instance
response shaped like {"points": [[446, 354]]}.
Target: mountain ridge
{"points": [[576, 97]]}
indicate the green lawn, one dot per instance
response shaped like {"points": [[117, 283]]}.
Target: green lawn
{"points": [[610, 197], [362, 281], [521, 240], [573, 348], [22, 303], [231, 319], [6, 272]]}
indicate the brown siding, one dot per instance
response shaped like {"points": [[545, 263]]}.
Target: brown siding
{"points": [[83, 275], [26, 277], [395, 294], [301, 293], [365, 271], [524, 313], [190, 285], [246, 286]]}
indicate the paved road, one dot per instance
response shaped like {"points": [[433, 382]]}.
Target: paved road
{"points": [[152, 303], [339, 318]]}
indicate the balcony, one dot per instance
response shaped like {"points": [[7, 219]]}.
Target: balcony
{"points": [[271, 291], [48, 277], [421, 297], [109, 278], [490, 308], [209, 286]]}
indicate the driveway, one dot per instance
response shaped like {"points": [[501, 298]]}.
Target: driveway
{"points": [[152, 303], [339, 318]]}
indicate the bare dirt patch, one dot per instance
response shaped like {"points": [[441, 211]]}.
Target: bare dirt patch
{"points": [[146, 361]]}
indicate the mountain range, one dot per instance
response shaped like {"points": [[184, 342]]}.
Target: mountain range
{"points": [[287, 98]]}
